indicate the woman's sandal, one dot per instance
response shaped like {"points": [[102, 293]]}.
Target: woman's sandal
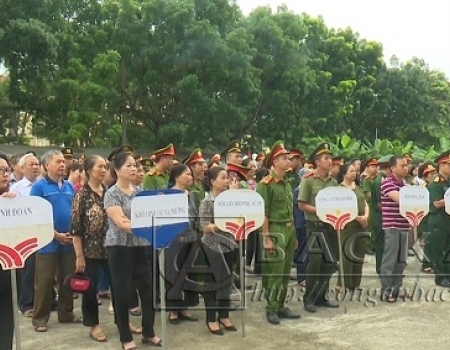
{"points": [[98, 336], [131, 347], [149, 341], [41, 329], [135, 330]]}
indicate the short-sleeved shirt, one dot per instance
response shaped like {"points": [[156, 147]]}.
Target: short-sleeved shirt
{"points": [[277, 195], [437, 189], [390, 210], [221, 242], [60, 197], [367, 187], [89, 221], [115, 197], [310, 187]]}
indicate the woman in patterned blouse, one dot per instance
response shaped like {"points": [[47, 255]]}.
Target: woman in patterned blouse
{"points": [[223, 247], [130, 257], [89, 223]]}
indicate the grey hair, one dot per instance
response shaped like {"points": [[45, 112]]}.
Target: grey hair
{"points": [[47, 157], [23, 160]]}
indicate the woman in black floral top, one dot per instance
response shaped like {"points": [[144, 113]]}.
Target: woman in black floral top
{"points": [[89, 224]]}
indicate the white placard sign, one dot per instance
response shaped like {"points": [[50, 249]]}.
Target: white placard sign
{"points": [[165, 209], [26, 225], [336, 206], [447, 201], [239, 212], [414, 203]]}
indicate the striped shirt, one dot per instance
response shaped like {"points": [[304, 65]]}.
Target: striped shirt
{"points": [[390, 211]]}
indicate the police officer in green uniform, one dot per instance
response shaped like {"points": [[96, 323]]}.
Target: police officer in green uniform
{"points": [[439, 222], [370, 174], [278, 233], [322, 261], [158, 177], [147, 164], [196, 163], [296, 157], [375, 209], [68, 159]]}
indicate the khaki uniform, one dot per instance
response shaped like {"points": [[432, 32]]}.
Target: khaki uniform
{"points": [[320, 267]]}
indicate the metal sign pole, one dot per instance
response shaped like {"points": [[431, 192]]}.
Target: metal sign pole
{"points": [[341, 262], [162, 288], [416, 248], [242, 284], [15, 307]]}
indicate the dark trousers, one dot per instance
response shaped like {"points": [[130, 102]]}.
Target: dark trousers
{"points": [[103, 279], [89, 305], [253, 250], [47, 265], [6, 311], [301, 255], [218, 303], [27, 284], [131, 268], [323, 259], [134, 299]]}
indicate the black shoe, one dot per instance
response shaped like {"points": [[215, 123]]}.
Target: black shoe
{"points": [[174, 320], [216, 332], [310, 307], [237, 284], [444, 283], [287, 313], [272, 317], [190, 318], [229, 328], [327, 303]]}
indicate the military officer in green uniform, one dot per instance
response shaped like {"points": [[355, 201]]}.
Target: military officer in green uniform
{"points": [[158, 177], [196, 163], [322, 261], [439, 222], [214, 161], [336, 163], [278, 233], [147, 164], [375, 209], [68, 159], [296, 157]]}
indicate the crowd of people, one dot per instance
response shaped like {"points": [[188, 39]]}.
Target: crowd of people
{"points": [[91, 200]]}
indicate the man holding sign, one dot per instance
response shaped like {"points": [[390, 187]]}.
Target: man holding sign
{"points": [[319, 270], [279, 239]]}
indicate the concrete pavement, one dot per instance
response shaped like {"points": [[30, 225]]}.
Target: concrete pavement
{"points": [[362, 323]]}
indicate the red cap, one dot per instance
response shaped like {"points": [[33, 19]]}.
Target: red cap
{"points": [[239, 169], [169, 150]]}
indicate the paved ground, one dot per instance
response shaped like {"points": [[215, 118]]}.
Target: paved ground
{"points": [[359, 324]]}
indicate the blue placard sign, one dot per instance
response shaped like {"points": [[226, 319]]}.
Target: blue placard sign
{"points": [[159, 216]]}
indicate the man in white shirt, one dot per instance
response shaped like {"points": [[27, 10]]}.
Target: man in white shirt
{"points": [[29, 166]]}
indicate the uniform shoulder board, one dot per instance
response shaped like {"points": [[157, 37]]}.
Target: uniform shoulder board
{"points": [[307, 176], [267, 179], [437, 178], [151, 172]]}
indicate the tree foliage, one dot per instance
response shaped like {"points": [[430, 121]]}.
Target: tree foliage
{"points": [[199, 73]]}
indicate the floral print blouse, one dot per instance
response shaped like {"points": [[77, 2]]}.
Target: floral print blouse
{"points": [[89, 221]]}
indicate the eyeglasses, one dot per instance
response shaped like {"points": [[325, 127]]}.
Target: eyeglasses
{"points": [[4, 171]]}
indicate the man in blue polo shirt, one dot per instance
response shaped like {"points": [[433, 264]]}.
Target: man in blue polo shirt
{"points": [[58, 255]]}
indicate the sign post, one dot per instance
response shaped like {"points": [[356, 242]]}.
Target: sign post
{"points": [[239, 212], [26, 226], [337, 206], [159, 217], [414, 202]]}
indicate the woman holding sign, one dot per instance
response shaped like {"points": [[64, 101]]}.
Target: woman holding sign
{"points": [[6, 305], [223, 247], [354, 245], [181, 178], [129, 258]]}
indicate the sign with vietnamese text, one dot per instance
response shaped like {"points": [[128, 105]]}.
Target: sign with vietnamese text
{"points": [[239, 212], [159, 216], [414, 202], [26, 225], [336, 206]]}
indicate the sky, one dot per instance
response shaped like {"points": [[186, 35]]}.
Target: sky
{"points": [[405, 28]]}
